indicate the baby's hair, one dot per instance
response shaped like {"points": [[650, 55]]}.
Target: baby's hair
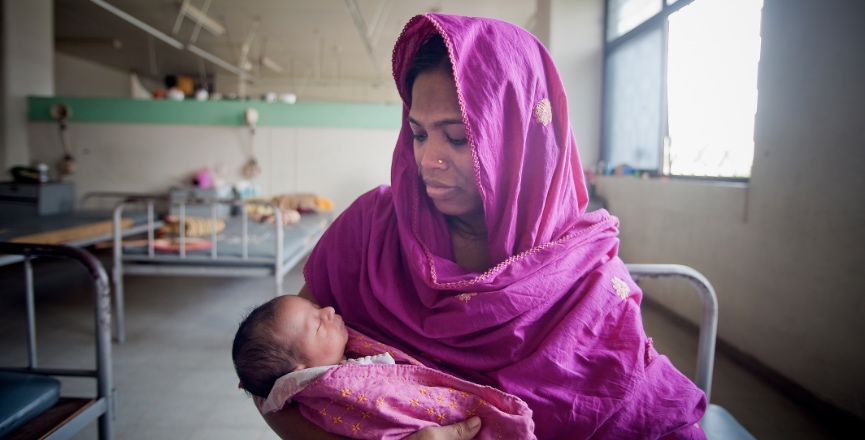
{"points": [[260, 358]]}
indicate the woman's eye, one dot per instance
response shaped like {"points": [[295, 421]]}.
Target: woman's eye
{"points": [[458, 142], [420, 137]]}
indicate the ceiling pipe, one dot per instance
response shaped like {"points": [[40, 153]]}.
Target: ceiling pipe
{"points": [[139, 24], [264, 61], [373, 25], [171, 41], [179, 20], [218, 61], [200, 17], [377, 27], [272, 65], [364, 35], [247, 45]]}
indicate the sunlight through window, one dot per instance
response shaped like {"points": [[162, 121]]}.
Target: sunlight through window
{"points": [[713, 52]]}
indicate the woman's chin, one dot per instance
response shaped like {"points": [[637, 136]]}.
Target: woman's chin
{"points": [[447, 208]]}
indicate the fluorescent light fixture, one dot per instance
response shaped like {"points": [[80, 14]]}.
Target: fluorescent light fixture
{"points": [[218, 61], [200, 17], [272, 65], [364, 34], [138, 23]]}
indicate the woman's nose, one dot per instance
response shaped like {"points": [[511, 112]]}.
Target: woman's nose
{"points": [[433, 156]]}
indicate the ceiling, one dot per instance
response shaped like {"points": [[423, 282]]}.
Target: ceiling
{"points": [[310, 40]]}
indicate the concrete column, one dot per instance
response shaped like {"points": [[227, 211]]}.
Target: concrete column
{"points": [[27, 69], [572, 30]]}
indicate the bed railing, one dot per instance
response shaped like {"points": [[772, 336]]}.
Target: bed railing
{"points": [[228, 253], [709, 318], [102, 405], [151, 201]]}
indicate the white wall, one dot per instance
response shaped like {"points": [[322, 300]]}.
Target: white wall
{"points": [[27, 51], [336, 163], [153, 158], [572, 31], [786, 253], [75, 76], [315, 90]]}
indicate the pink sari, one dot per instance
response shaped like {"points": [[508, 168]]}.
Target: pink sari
{"points": [[556, 320]]}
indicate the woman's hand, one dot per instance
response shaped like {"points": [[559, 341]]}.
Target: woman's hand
{"points": [[465, 430]]}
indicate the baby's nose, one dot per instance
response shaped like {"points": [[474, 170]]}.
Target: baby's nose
{"points": [[329, 312]]}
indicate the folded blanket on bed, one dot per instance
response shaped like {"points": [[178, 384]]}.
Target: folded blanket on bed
{"points": [[193, 226], [384, 401], [292, 205]]}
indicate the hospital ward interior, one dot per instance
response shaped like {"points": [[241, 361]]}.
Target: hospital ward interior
{"points": [[168, 165]]}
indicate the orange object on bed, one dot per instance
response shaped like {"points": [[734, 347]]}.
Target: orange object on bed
{"points": [[173, 245]]}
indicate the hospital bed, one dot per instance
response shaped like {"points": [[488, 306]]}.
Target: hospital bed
{"points": [[244, 247], [83, 227], [32, 403], [717, 422]]}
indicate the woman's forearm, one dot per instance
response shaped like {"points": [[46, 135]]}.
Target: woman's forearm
{"points": [[289, 424]]}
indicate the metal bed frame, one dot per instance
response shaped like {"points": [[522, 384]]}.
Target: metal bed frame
{"points": [[57, 221], [717, 422], [214, 264], [102, 405]]}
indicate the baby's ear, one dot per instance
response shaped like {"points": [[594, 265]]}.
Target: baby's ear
{"points": [[298, 367]]}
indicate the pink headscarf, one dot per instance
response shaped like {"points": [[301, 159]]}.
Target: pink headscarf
{"points": [[556, 320]]}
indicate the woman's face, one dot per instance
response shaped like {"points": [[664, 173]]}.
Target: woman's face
{"points": [[441, 148]]}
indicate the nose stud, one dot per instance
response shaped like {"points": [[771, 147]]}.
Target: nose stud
{"points": [[441, 161]]}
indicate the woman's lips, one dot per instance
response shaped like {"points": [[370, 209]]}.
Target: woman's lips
{"points": [[438, 190]]}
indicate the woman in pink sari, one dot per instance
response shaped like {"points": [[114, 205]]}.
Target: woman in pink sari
{"points": [[480, 259]]}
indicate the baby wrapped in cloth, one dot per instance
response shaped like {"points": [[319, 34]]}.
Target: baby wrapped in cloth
{"points": [[384, 393]]}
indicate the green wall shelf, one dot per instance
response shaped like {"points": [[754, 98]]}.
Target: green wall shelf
{"points": [[224, 112]]}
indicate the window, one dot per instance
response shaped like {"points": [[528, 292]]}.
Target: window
{"points": [[680, 86]]}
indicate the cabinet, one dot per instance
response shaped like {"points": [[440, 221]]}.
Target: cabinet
{"points": [[19, 200]]}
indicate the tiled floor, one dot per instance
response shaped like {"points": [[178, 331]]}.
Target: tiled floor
{"points": [[174, 378]]}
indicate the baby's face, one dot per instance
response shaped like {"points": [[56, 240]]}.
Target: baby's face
{"points": [[317, 332]]}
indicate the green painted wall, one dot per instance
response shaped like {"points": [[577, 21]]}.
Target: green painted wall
{"points": [[191, 112]]}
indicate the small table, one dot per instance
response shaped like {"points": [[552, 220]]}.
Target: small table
{"points": [[76, 229]]}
